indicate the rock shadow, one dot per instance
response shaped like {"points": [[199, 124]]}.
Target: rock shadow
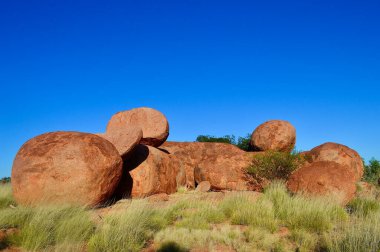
{"points": [[138, 155]]}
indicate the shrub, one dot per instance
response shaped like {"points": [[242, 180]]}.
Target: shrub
{"points": [[275, 165], [5, 180], [372, 171], [230, 139], [242, 142]]}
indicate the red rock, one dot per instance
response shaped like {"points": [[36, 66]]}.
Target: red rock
{"points": [[150, 171], [274, 135], [323, 178], [66, 167], [154, 125], [203, 186], [338, 153], [124, 140], [223, 165]]}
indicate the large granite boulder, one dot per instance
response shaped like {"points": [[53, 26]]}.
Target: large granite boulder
{"points": [[324, 178], [274, 135], [66, 167], [150, 171], [124, 140], [223, 165], [154, 125], [338, 153]]}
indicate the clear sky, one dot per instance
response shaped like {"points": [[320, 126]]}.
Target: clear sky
{"points": [[212, 67]]}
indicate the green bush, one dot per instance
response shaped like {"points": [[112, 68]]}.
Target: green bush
{"points": [[230, 139], [275, 165], [372, 171], [242, 142], [5, 180]]}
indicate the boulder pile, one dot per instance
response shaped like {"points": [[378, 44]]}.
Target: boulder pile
{"points": [[133, 160]]}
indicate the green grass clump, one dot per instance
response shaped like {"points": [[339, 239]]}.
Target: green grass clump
{"points": [[199, 215], [128, 230], [187, 239], [302, 212], [360, 234], [15, 218], [42, 227], [243, 211], [363, 206], [6, 198], [274, 164], [257, 239], [304, 240]]}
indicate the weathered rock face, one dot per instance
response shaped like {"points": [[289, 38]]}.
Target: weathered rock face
{"points": [[323, 178], [338, 153], [150, 171], [66, 167], [124, 140], [223, 165], [154, 125], [274, 135]]}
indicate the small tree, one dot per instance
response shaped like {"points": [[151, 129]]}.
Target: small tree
{"points": [[5, 180], [242, 142], [372, 171]]}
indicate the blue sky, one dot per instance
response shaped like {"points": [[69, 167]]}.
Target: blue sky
{"points": [[212, 67]]}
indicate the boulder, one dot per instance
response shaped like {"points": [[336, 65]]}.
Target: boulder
{"points": [[154, 125], [66, 167], [223, 165], [324, 178], [203, 186], [274, 135], [338, 153], [124, 140], [150, 171]]}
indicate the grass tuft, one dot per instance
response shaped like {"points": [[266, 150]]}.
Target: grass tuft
{"points": [[6, 198], [130, 229]]}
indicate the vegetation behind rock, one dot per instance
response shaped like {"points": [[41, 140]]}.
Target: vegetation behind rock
{"points": [[241, 142]]}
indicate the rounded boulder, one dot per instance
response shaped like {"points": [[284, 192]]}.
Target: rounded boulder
{"points": [[150, 171], [66, 168], [154, 125], [274, 135], [124, 140], [338, 153], [324, 178]]}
